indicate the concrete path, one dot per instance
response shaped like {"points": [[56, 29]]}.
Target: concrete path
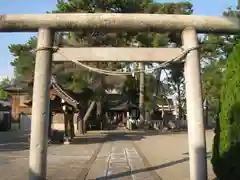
{"points": [[168, 154], [120, 159], [104, 155], [65, 162]]}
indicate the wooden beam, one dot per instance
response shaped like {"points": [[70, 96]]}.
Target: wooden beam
{"points": [[116, 54], [118, 21]]}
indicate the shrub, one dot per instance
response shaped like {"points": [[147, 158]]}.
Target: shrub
{"points": [[226, 147]]}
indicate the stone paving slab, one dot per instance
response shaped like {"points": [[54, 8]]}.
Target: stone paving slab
{"points": [[119, 160]]}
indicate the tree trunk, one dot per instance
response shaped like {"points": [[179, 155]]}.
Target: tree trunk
{"points": [[87, 115], [106, 118], [180, 109], [80, 123], [99, 112], [205, 105], [156, 89], [141, 95]]}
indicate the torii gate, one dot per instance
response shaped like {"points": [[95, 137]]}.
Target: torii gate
{"points": [[189, 25]]}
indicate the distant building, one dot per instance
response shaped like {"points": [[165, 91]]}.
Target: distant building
{"points": [[21, 101]]}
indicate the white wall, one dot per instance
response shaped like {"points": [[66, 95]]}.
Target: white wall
{"points": [[58, 122]]}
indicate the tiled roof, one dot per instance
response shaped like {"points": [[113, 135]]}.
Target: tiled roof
{"points": [[69, 96]]}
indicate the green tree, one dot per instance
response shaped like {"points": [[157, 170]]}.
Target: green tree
{"points": [[24, 61], [215, 50], [3, 84], [177, 86], [24, 53], [131, 89], [212, 84], [95, 38], [76, 78], [226, 160]]}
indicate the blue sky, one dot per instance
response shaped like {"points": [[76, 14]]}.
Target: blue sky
{"points": [[201, 7]]}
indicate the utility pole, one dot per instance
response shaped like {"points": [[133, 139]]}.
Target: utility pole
{"points": [[141, 92]]}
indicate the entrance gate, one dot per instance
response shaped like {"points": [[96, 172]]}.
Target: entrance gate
{"points": [[47, 24]]}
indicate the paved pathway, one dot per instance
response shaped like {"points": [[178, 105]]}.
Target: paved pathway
{"points": [[65, 162], [168, 154], [119, 157]]}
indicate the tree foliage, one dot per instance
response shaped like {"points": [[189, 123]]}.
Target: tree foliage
{"points": [[227, 138], [77, 78], [175, 81], [24, 61], [4, 82], [215, 50]]}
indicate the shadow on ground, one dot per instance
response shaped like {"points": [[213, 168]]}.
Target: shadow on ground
{"points": [[14, 141], [117, 136], [150, 169], [208, 154], [19, 141]]}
